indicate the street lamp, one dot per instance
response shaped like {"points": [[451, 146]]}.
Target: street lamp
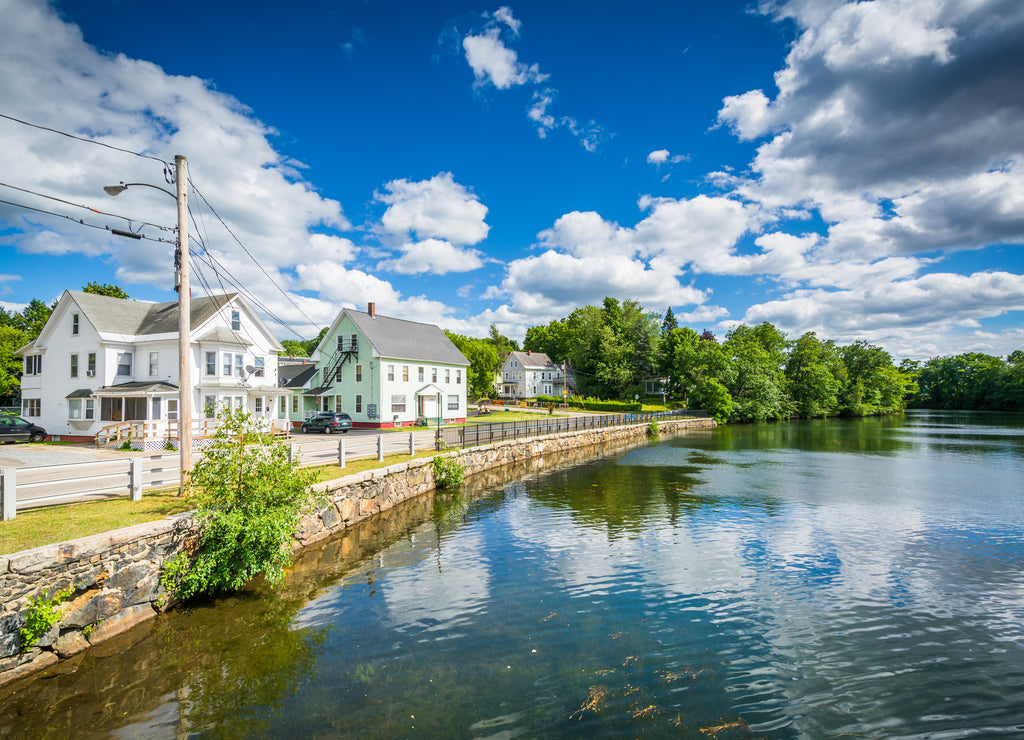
{"points": [[184, 311]]}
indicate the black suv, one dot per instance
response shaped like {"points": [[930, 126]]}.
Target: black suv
{"points": [[327, 422], [14, 429]]}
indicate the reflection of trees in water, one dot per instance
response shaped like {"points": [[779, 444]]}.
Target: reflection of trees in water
{"points": [[215, 667], [206, 669]]}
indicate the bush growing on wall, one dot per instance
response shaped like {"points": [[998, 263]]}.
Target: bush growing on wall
{"points": [[250, 499]]}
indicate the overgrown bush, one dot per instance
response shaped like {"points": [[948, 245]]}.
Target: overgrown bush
{"points": [[43, 613], [448, 471], [250, 499], [653, 430]]}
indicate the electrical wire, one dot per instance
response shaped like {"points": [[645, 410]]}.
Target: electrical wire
{"points": [[223, 274], [82, 138], [85, 223], [250, 255], [88, 208]]}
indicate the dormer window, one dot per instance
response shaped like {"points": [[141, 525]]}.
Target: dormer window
{"points": [[74, 324]]}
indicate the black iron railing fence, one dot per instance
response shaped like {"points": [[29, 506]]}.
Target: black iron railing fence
{"points": [[483, 433]]}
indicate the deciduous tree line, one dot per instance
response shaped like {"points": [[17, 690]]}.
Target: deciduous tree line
{"points": [[971, 381], [756, 373]]}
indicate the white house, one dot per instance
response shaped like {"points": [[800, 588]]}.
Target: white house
{"points": [[99, 361], [383, 372], [531, 374]]}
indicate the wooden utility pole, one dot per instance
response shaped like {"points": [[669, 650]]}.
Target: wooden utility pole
{"points": [[184, 327]]}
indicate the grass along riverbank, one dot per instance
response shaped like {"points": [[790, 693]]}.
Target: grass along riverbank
{"points": [[46, 526]]}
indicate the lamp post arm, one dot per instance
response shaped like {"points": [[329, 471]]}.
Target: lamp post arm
{"points": [[118, 189]]}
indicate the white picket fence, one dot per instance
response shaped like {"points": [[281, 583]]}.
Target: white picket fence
{"points": [[31, 488]]}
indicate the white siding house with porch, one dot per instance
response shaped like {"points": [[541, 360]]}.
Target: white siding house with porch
{"points": [[386, 372], [530, 374], [99, 361]]}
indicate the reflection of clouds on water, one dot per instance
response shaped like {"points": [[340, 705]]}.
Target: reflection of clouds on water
{"points": [[582, 559], [440, 591]]}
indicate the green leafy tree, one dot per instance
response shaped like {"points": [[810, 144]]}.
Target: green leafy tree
{"points": [[483, 364], [114, 291], [11, 340], [293, 348], [312, 344], [249, 499], [758, 355], [666, 344], [32, 319], [502, 344], [811, 375]]}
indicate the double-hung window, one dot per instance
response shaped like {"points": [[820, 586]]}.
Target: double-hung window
{"points": [[74, 366], [211, 363], [258, 363], [124, 364]]}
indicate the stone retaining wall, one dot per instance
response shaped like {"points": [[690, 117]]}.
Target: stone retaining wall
{"points": [[115, 576]]}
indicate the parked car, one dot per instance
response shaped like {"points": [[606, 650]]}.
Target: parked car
{"points": [[327, 422], [16, 429]]}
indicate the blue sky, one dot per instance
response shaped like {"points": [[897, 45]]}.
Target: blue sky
{"points": [[853, 169]]}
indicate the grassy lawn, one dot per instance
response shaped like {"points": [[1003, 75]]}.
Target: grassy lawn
{"points": [[496, 417], [45, 526]]}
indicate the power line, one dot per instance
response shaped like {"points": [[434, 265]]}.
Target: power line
{"points": [[222, 273], [250, 255], [82, 138], [82, 222], [88, 208]]}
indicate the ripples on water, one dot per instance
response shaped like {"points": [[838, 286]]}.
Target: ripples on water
{"points": [[823, 579]]}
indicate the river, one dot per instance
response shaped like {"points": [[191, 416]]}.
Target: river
{"points": [[860, 578]]}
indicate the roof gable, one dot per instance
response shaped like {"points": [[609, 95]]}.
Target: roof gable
{"points": [[400, 339], [532, 360], [137, 318]]}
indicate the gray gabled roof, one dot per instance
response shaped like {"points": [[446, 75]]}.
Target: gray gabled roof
{"points": [[119, 316], [537, 360], [298, 379], [407, 340]]}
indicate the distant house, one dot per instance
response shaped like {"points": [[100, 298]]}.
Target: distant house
{"points": [[530, 374], [383, 372], [101, 360]]}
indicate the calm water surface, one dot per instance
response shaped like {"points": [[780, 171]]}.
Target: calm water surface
{"points": [[815, 579]]}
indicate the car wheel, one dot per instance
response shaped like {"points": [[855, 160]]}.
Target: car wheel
{"points": [[344, 431], [327, 430], [37, 437], [305, 429]]}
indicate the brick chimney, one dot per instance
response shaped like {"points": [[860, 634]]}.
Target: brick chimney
{"points": [[371, 309]]}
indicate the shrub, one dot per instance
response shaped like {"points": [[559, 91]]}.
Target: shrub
{"points": [[43, 613], [448, 471], [652, 430], [250, 499]]}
